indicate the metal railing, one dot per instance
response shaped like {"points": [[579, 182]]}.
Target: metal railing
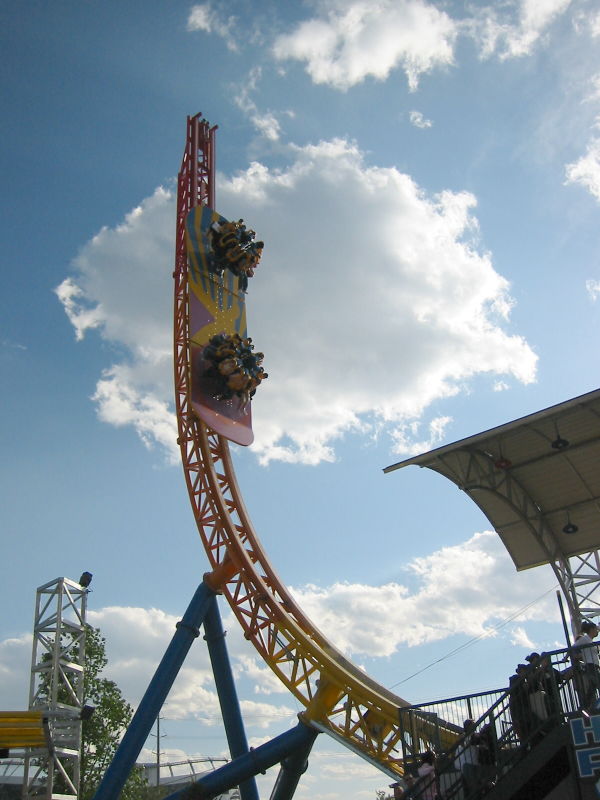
{"points": [[496, 729]]}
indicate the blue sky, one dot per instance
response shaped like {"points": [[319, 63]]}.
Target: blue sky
{"points": [[426, 177]]}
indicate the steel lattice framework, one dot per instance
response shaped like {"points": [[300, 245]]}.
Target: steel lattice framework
{"points": [[584, 583], [338, 697], [537, 481], [577, 575], [56, 687]]}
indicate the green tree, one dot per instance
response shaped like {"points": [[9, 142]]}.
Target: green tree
{"points": [[102, 732]]}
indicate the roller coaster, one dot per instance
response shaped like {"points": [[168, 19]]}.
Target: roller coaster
{"points": [[338, 698], [216, 375]]}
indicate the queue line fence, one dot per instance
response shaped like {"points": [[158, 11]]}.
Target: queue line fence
{"points": [[507, 723]]}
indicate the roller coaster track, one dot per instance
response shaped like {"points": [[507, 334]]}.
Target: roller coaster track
{"points": [[337, 697]]}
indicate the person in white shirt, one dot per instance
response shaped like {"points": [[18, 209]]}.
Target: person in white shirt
{"points": [[587, 675], [427, 772], [467, 758]]}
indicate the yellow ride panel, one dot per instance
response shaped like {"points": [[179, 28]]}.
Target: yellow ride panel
{"points": [[216, 305], [22, 729]]}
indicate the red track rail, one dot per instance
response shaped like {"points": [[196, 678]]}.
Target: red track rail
{"points": [[338, 697]]}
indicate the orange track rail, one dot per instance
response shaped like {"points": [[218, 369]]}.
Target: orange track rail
{"points": [[337, 696]]}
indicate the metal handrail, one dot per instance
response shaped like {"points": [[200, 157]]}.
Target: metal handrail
{"points": [[517, 720]]}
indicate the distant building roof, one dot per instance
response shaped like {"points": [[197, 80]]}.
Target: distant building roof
{"points": [[175, 773]]}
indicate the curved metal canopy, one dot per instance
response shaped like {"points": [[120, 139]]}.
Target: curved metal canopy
{"points": [[537, 480]]}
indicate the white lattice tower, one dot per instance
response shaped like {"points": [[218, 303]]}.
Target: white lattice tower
{"points": [[56, 687]]}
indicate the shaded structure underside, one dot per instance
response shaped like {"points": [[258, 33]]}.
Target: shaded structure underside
{"points": [[537, 480]]}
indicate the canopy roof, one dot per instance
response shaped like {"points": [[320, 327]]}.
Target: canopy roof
{"points": [[537, 479]]}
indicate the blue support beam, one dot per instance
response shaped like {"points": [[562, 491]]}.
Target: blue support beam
{"points": [[139, 729], [262, 758], [292, 769], [228, 700]]}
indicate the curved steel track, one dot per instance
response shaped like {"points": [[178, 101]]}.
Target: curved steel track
{"points": [[337, 696]]}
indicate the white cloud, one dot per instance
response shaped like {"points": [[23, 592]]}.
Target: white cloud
{"points": [[587, 22], [263, 679], [120, 285], [406, 441], [121, 403], [594, 93], [586, 170], [15, 670], [349, 41], [123, 289], [266, 123], [6, 345], [418, 120], [464, 589], [593, 288], [346, 769], [264, 714], [203, 17], [81, 317], [520, 639], [362, 325], [136, 641], [513, 29], [469, 589]]}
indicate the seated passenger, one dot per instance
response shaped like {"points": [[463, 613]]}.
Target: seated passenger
{"points": [[237, 382], [246, 236], [228, 366]]}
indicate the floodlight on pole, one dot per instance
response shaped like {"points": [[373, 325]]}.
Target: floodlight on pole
{"points": [[85, 580]]}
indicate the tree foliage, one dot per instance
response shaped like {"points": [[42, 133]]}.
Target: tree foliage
{"points": [[102, 731]]}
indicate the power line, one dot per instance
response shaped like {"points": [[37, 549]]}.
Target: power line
{"points": [[475, 639], [217, 716]]}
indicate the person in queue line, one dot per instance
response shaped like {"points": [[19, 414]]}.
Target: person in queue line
{"points": [[534, 699], [518, 702], [475, 759], [534, 702], [545, 678], [426, 772], [423, 786], [467, 758], [402, 787], [587, 665]]}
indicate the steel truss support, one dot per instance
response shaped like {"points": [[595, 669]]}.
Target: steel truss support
{"points": [[230, 708], [585, 584], [202, 610], [578, 576], [140, 726], [292, 769], [56, 687], [293, 745], [335, 692]]}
